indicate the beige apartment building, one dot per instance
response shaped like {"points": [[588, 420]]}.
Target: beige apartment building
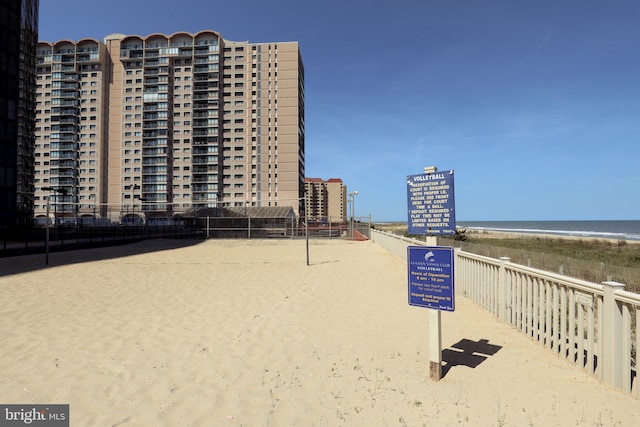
{"points": [[326, 200], [149, 128]]}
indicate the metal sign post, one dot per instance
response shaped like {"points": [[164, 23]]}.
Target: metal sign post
{"points": [[431, 285], [431, 211], [46, 236]]}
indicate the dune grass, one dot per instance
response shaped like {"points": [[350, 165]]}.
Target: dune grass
{"points": [[598, 251], [610, 252]]}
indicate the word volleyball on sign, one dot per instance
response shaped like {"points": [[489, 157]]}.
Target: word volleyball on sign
{"points": [[431, 203]]}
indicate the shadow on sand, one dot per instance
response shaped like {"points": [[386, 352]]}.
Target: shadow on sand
{"points": [[467, 353], [27, 263]]}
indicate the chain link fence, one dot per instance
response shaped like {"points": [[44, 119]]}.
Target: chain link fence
{"points": [[15, 242], [28, 241]]}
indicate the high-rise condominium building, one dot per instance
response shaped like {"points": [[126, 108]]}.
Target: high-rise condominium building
{"points": [[18, 38], [153, 127], [326, 200]]}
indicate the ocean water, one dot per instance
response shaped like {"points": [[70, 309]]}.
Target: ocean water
{"points": [[619, 230]]}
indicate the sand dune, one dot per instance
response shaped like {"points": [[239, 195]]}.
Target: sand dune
{"points": [[244, 333]]}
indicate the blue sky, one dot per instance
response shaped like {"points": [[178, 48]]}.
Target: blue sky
{"points": [[534, 104]]}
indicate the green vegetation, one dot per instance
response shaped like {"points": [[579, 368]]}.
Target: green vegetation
{"points": [[605, 251], [608, 252], [588, 259]]}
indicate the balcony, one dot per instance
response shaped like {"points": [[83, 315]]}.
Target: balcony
{"points": [[69, 94], [199, 96], [62, 112], [65, 51], [154, 170], [205, 151], [201, 188], [155, 198], [63, 164], [65, 103], [67, 129], [186, 43], [63, 172], [68, 155], [63, 142], [69, 77], [72, 120], [157, 161], [62, 181], [151, 143], [93, 57], [64, 146], [154, 151], [205, 169], [211, 160]]}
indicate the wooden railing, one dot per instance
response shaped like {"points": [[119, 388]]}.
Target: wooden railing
{"points": [[591, 325]]}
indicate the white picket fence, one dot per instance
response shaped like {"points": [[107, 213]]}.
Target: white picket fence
{"points": [[590, 325]]}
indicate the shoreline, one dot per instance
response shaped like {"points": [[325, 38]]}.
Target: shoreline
{"points": [[401, 228]]}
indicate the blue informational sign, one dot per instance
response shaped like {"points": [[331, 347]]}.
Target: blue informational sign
{"points": [[431, 281], [431, 203]]}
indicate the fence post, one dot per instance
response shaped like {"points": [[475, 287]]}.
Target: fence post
{"points": [[503, 295], [612, 367], [460, 282]]}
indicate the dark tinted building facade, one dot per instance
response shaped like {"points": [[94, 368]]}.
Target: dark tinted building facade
{"points": [[18, 40]]}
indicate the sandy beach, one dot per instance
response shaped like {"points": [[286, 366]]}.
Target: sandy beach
{"points": [[244, 333]]}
